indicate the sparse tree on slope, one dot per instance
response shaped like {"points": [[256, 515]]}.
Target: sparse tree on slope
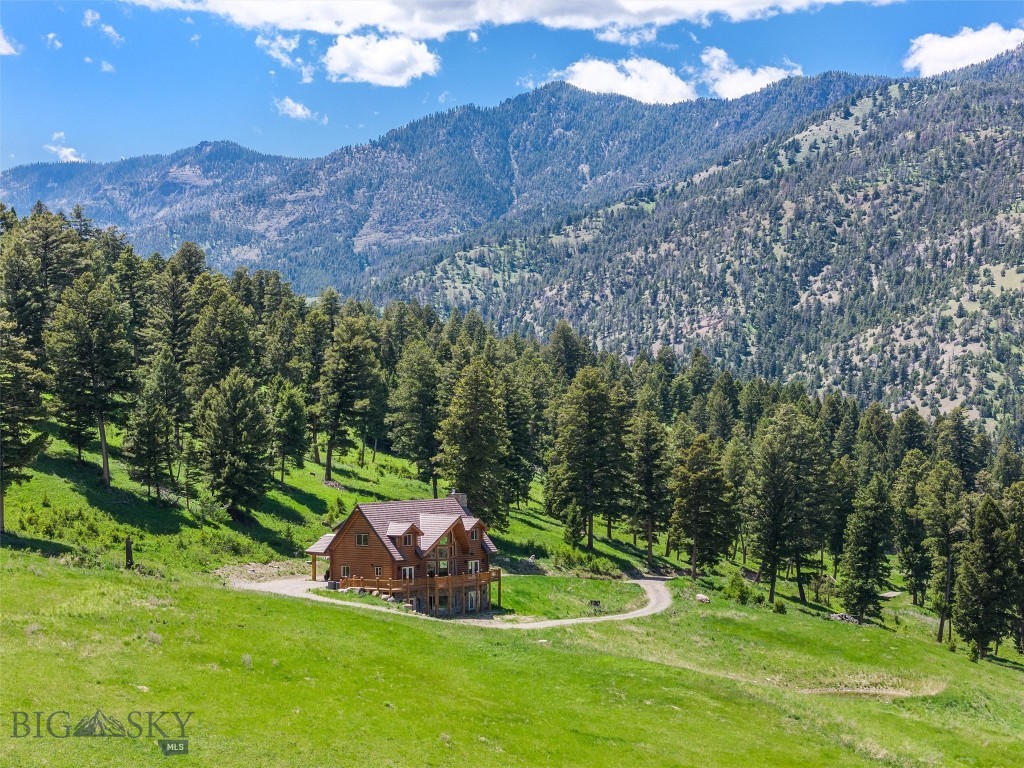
{"points": [[864, 566]]}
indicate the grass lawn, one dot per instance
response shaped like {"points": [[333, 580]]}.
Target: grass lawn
{"points": [[566, 597]]}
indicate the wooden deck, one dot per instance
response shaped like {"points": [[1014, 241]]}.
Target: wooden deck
{"points": [[432, 588]]}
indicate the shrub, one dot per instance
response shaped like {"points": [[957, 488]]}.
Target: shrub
{"points": [[778, 607], [737, 589], [580, 560]]}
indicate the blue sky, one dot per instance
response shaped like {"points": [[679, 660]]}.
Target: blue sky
{"points": [[103, 80]]}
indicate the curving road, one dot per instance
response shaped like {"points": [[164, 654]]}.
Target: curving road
{"points": [[658, 600]]}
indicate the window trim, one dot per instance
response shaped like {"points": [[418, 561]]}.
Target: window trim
{"points": [[378, 571], [471, 564], [407, 540], [474, 535], [408, 572], [346, 572], [362, 539]]}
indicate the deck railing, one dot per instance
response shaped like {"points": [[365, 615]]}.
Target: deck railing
{"points": [[432, 583]]}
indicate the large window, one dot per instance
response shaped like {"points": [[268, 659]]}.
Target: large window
{"points": [[408, 572], [362, 539], [442, 567], [473, 566]]}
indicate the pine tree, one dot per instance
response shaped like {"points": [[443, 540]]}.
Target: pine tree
{"points": [[132, 277], [350, 365], [1007, 468], [864, 566], [415, 410], [474, 443], [191, 260], [21, 407], [585, 467], [701, 513], [234, 439], [314, 337], [288, 426], [220, 342], [955, 442], [149, 440], [786, 490], [939, 506], [842, 483], [650, 470], [983, 596], [172, 315], [88, 349], [170, 388], [22, 294], [1013, 506], [521, 459], [59, 250], [914, 558]]}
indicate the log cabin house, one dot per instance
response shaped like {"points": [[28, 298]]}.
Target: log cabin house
{"points": [[429, 553]]}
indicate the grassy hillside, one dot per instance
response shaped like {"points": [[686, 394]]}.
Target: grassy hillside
{"points": [[276, 681]]}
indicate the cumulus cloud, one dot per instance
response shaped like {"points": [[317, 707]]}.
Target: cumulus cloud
{"points": [[6, 46], [296, 110], [432, 20], [195, 39], [473, 37], [90, 17], [393, 61], [730, 81], [52, 41], [64, 154], [106, 66], [110, 32], [641, 79], [933, 54], [367, 29]]}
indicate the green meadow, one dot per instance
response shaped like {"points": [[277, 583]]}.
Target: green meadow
{"points": [[280, 681]]}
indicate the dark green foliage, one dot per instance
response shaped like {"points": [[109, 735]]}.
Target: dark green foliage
{"points": [[415, 411], [586, 466], [864, 567], [939, 504], [149, 439], [474, 443], [288, 432], [21, 407], [983, 597], [701, 513], [914, 556], [234, 438], [88, 348], [649, 473]]}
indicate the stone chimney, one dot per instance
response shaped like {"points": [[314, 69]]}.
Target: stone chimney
{"points": [[461, 498]]}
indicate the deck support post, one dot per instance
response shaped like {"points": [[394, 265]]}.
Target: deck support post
{"points": [[312, 561]]}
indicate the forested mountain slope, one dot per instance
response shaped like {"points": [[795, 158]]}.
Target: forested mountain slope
{"points": [[322, 220], [879, 250]]}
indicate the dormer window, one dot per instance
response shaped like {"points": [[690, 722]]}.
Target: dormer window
{"points": [[407, 540], [474, 535]]}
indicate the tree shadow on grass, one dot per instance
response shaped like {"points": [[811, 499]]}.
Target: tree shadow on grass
{"points": [[124, 506], [1004, 662], [29, 544]]}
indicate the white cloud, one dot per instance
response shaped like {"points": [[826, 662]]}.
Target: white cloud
{"points": [[195, 39], [473, 37], [90, 19], [933, 54], [296, 110], [729, 81], [6, 46], [631, 37], [87, 59], [280, 48], [106, 66], [393, 61], [365, 29], [110, 32], [432, 20], [53, 42], [641, 79], [64, 154], [57, 136]]}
